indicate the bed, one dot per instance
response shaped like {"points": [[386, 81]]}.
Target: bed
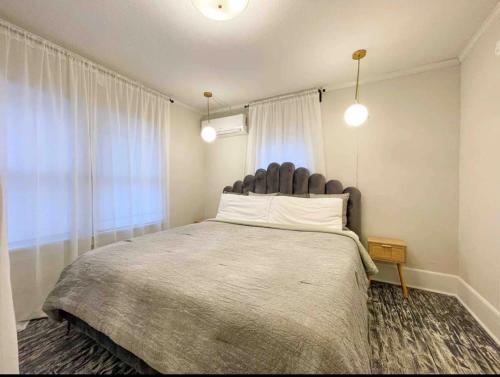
{"points": [[227, 296]]}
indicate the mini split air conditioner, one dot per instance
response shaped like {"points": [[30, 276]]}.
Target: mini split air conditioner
{"points": [[228, 126]]}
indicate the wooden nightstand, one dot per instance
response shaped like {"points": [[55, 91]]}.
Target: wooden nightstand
{"points": [[391, 251]]}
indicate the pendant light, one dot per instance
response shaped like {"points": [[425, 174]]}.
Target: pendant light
{"points": [[220, 10], [208, 133], [356, 114]]}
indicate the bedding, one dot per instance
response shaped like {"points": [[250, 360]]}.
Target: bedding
{"points": [[251, 193], [324, 212], [227, 297], [345, 199], [285, 210], [284, 179], [244, 207], [294, 195]]}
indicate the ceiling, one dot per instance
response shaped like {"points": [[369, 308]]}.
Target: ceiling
{"points": [[273, 47]]}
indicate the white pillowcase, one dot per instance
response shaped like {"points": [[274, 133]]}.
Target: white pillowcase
{"points": [[323, 212], [243, 207], [283, 210]]}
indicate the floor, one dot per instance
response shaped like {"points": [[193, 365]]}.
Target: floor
{"points": [[428, 333]]}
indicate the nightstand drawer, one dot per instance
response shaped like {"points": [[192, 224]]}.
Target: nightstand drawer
{"points": [[385, 252], [379, 251], [398, 254]]}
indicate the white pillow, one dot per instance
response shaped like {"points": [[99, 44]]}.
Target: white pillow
{"points": [[323, 212], [251, 193], [243, 207], [344, 197]]}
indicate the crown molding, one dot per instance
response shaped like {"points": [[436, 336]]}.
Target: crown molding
{"points": [[477, 35], [385, 76], [188, 107], [395, 74], [230, 109]]}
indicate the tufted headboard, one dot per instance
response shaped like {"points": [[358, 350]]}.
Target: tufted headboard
{"points": [[286, 179]]}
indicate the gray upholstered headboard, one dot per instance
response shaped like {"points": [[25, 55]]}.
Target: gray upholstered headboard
{"points": [[286, 179]]}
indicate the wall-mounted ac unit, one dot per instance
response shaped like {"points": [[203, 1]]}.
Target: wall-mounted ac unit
{"points": [[228, 126]]}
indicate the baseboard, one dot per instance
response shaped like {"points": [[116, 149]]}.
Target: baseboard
{"points": [[422, 279], [485, 313], [480, 308]]}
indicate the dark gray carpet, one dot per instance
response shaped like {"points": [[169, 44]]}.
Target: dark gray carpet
{"points": [[428, 333]]}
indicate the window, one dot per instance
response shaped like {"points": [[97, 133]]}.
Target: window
{"points": [[75, 170]]}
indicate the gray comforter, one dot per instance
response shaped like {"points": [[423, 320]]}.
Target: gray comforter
{"points": [[219, 297]]}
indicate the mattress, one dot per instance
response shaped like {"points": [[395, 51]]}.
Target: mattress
{"points": [[220, 297]]}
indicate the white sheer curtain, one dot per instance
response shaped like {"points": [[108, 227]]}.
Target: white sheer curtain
{"points": [[128, 140], [8, 336], [84, 160], [286, 129], [44, 101]]}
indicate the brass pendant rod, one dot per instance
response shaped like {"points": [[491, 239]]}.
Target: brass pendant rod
{"points": [[208, 110], [358, 55], [357, 83], [207, 95]]}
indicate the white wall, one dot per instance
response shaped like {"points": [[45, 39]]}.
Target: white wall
{"points": [[224, 164], [408, 163], [479, 214], [187, 168]]}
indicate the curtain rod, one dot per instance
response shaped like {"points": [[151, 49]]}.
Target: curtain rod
{"points": [[70, 54], [284, 96]]}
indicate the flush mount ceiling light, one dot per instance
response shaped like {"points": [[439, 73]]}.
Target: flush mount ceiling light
{"points": [[220, 10], [356, 114], [208, 133]]}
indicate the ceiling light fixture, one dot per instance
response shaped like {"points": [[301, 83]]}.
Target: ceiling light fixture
{"points": [[220, 10], [208, 133], [356, 114]]}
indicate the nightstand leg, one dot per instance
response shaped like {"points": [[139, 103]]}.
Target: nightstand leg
{"points": [[402, 280]]}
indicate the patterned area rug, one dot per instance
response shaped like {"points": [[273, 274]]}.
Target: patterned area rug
{"points": [[428, 333]]}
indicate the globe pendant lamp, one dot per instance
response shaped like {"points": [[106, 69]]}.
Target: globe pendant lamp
{"points": [[220, 10], [356, 114], [208, 133]]}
